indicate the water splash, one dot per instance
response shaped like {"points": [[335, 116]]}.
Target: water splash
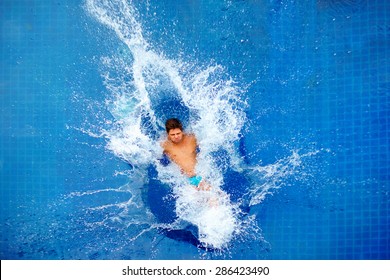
{"points": [[146, 88], [273, 176]]}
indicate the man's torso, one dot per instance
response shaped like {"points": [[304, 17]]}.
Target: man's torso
{"points": [[183, 154]]}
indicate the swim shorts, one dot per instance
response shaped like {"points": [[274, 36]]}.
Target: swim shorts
{"points": [[195, 180]]}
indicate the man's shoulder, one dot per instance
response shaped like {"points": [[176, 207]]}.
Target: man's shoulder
{"points": [[164, 144], [191, 138]]}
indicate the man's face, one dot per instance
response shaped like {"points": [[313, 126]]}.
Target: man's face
{"points": [[175, 135]]}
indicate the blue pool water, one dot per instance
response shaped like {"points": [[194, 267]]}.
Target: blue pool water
{"points": [[289, 101]]}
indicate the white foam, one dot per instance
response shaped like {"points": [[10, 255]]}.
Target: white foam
{"points": [[211, 211]]}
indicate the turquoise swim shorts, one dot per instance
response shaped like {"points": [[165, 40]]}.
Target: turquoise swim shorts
{"points": [[195, 181]]}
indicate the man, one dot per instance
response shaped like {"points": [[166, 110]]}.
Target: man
{"points": [[182, 149]]}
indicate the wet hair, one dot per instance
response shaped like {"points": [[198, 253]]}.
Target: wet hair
{"points": [[172, 124]]}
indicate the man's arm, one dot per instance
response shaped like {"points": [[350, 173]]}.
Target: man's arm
{"points": [[164, 160]]}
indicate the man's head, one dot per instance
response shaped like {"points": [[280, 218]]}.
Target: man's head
{"points": [[174, 130]]}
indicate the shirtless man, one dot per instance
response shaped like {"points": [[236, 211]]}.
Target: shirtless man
{"points": [[182, 149]]}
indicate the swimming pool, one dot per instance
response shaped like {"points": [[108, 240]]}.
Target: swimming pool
{"points": [[289, 102]]}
